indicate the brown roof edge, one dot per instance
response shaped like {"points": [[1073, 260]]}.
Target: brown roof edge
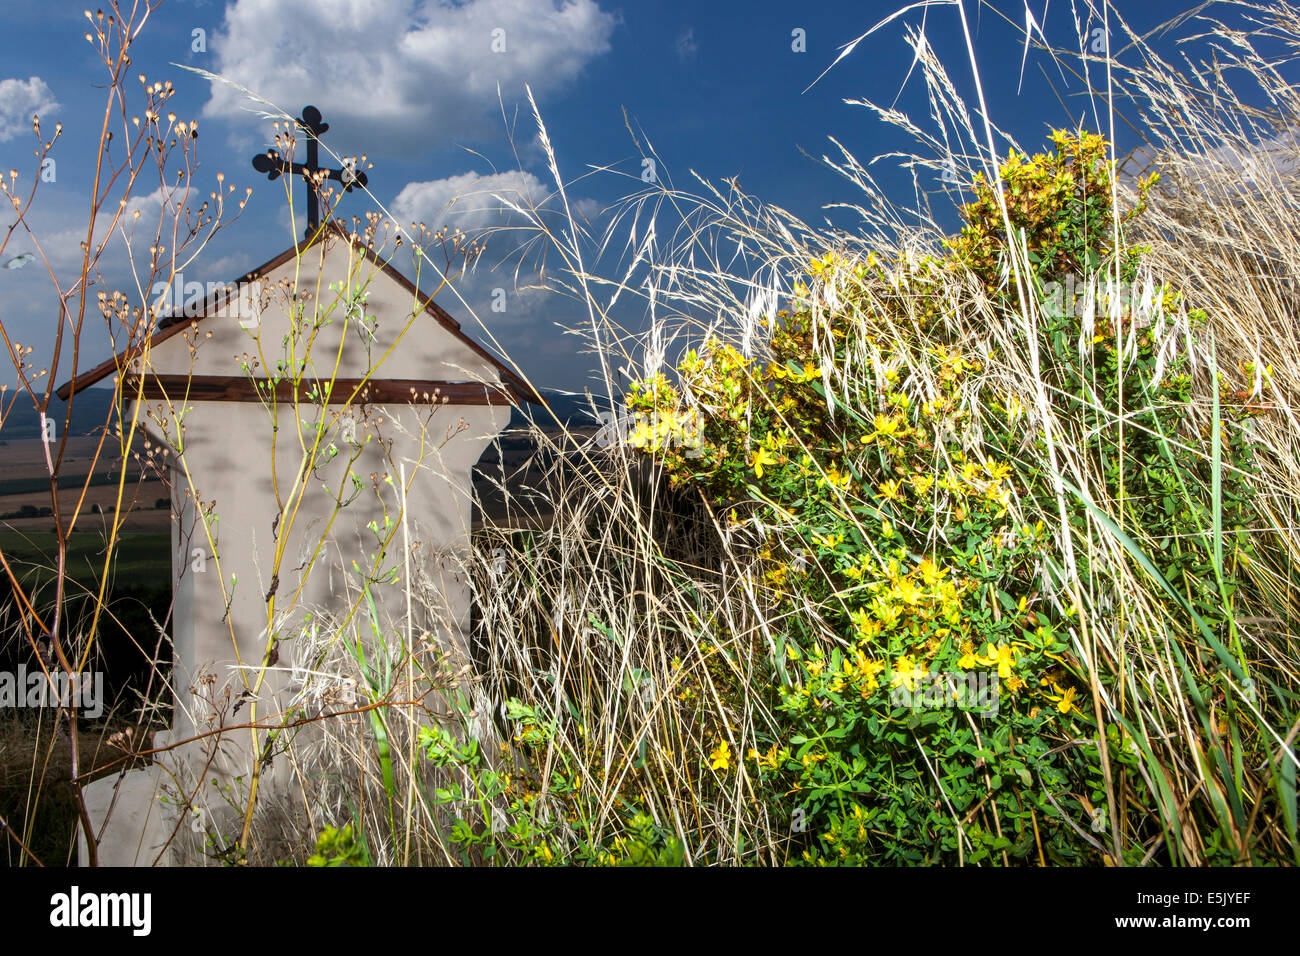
{"points": [[173, 324], [517, 385], [234, 388]]}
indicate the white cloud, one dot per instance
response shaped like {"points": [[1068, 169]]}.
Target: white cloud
{"points": [[1273, 157], [470, 201], [686, 45], [19, 99], [587, 210], [476, 204], [503, 288], [1231, 167], [410, 72], [60, 227]]}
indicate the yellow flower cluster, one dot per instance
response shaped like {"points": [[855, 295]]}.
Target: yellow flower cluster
{"points": [[770, 760], [720, 377], [835, 479], [989, 481], [890, 427], [809, 373], [653, 433], [862, 671], [908, 672], [1002, 656], [896, 599], [1063, 699], [769, 453], [820, 268]]}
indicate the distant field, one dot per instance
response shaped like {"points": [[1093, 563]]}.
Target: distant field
{"points": [[25, 487], [25, 457], [142, 556]]}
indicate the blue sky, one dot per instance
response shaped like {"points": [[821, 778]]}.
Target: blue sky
{"points": [[717, 88]]}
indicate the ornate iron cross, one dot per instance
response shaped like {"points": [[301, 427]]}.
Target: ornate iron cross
{"points": [[273, 164]]}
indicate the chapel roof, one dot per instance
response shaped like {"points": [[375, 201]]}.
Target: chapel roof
{"points": [[235, 387]]}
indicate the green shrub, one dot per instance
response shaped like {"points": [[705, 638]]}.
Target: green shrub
{"points": [[910, 522]]}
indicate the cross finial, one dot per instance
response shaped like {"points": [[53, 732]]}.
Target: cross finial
{"points": [[273, 164]]}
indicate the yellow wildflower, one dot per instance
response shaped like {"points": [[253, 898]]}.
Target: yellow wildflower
{"points": [[887, 614], [867, 671], [760, 458], [997, 471], [887, 425], [720, 759], [968, 659], [999, 493], [1004, 656], [818, 267], [835, 478], [860, 620], [767, 760], [642, 435], [810, 372], [891, 490], [907, 672], [931, 573], [1065, 701], [908, 592]]}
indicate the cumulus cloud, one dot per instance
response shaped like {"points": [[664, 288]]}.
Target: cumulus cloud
{"points": [[505, 288], [481, 204], [476, 204], [61, 229], [407, 72], [470, 201], [19, 99], [1233, 166]]}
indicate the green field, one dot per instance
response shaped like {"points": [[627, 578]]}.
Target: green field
{"points": [[139, 557]]}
